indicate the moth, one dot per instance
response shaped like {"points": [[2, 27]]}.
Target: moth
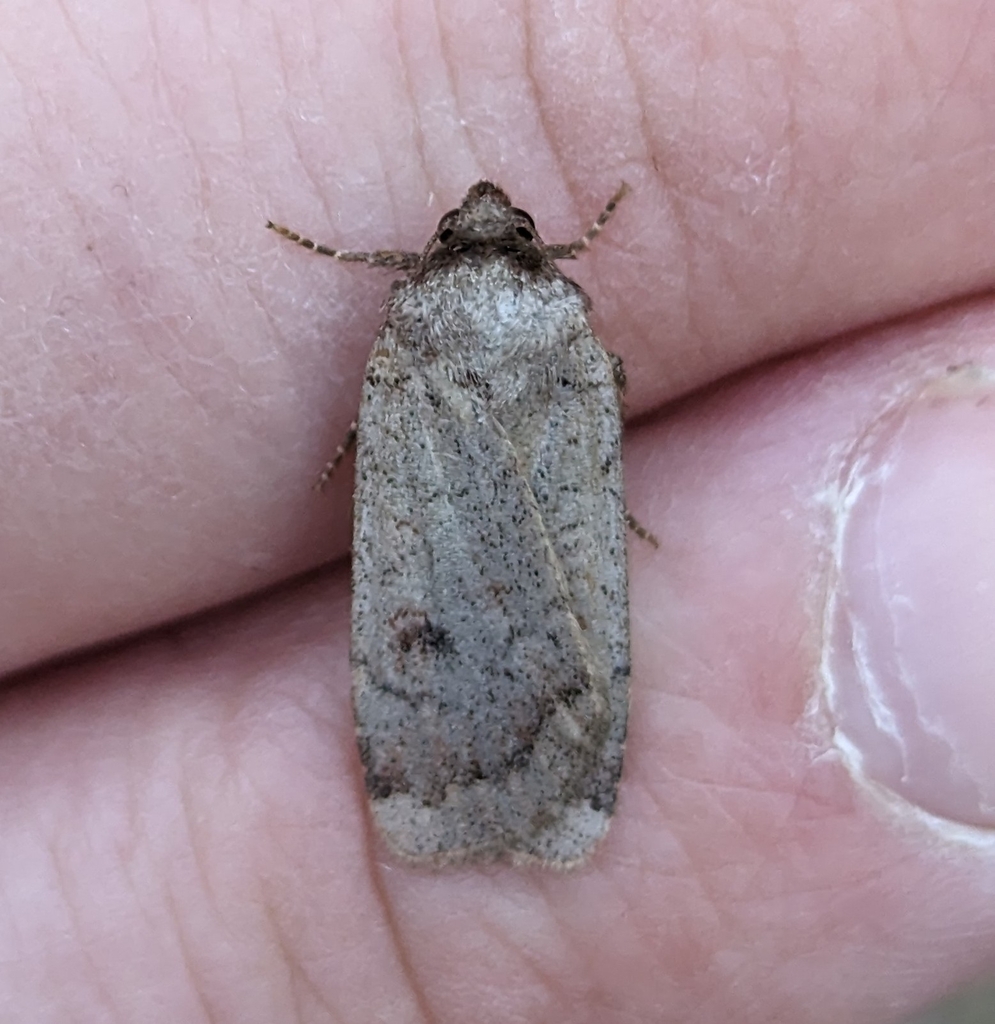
{"points": [[490, 619]]}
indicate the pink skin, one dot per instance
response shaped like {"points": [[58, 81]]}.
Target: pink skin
{"points": [[184, 836]]}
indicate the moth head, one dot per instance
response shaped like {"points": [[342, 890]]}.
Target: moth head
{"points": [[487, 217]]}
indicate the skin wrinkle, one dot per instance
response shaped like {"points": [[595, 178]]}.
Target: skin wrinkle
{"points": [[667, 189], [297, 977], [638, 95], [258, 289], [162, 82], [236, 93], [547, 980], [184, 388], [94, 57], [528, 74], [549, 136], [550, 984], [378, 890], [295, 141], [681, 201], [10, 923], [788, 58], [315, 36], [959, 64], [135, 839], [452, 79], [409, 89], [447, 68], [83, 946], [504, 944], [173, 109], [188, 958], [210, 37], [913, 52], [204, 178], [716, 892], [282, 63], [792, 55], [387, 178], [183, 790], [761, 900], [147, 915], [724, 788]]}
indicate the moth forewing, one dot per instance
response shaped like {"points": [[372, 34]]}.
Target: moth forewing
{"points": [[490, 630]]}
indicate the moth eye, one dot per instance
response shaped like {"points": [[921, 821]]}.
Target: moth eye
{"points": [[445, 235], [447, 218], [524, 233]]}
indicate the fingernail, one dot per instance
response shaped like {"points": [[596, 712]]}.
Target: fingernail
{"points": [[910, 626]]}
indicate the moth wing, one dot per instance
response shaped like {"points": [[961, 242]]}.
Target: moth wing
{"points": [[571, 444], [482, 718]]}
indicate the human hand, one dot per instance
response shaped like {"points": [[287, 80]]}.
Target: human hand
{"points": [[185, 835]]}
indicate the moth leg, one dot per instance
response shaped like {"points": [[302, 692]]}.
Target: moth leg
{"points": [[639, 530], [381, 258], [569, 250], [340, 453], [618, 372]]}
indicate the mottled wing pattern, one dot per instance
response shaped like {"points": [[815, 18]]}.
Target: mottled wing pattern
{"points": [[573, 452], [485, 697]]}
